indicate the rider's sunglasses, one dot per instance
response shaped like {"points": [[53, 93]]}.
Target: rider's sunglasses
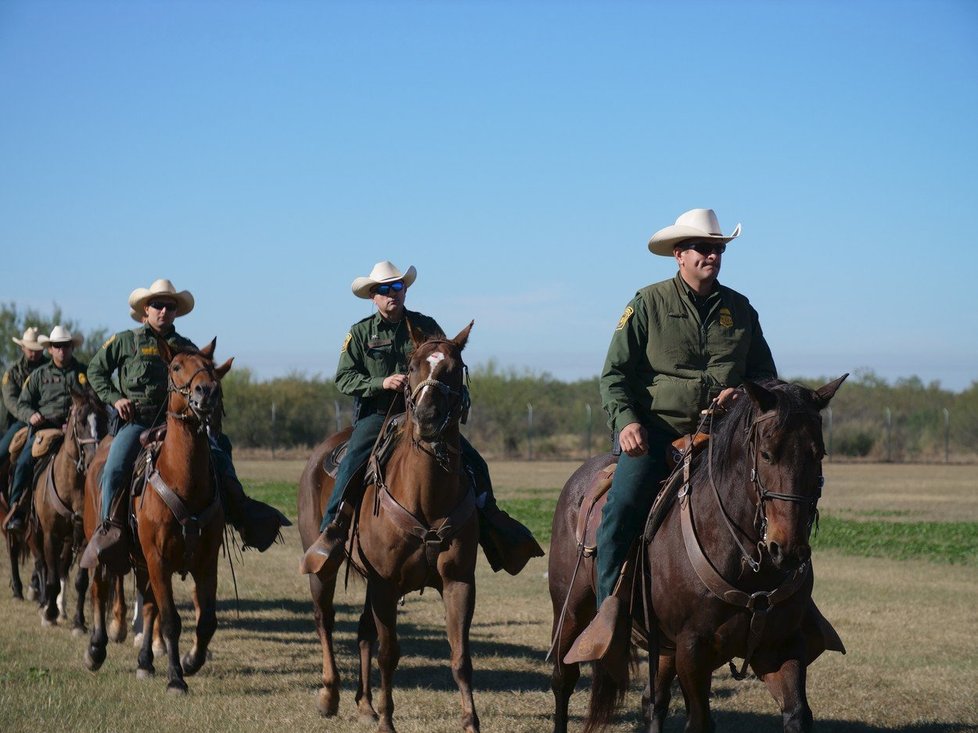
{"points": [[707, 249], [386, 288], [162, 305]]}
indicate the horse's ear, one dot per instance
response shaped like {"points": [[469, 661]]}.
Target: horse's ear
{"points": [[417, 337], [166, 353], [463, 336], [827, 391], [208, 350], [224, 368], [765, 399]]}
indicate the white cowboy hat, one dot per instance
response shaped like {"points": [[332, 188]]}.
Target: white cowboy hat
{"points": [[139, 297], [383, 272], [30, 340], [699, 224], [60, 335]]}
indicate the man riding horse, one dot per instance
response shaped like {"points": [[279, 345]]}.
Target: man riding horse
{"points": [[32, 356], [680, 345], [140, 401], [44, 402], [373, 361]]}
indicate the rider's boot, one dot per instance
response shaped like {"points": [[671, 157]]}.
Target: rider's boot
{"points": [[326, 553], [109, 545], [606, 638], [507, 543], [256, 522], [14, 522]]}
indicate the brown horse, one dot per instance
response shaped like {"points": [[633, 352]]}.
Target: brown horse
{"points": [[59, 499], [729, 567], [417, 528], [15, 541], [179, 522]]}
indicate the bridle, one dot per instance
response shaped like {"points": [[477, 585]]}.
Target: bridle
{"points": [[84, 446], [193, 409]]}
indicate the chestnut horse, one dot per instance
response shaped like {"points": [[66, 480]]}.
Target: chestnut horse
{"points": [[417, 528], [729, 567], [179, 520], [59, 502]]}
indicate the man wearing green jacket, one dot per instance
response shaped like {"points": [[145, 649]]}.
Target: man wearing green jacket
{"points": [[139, 398], [44, 402], [680, 345], [13, 382], [373, 367]]}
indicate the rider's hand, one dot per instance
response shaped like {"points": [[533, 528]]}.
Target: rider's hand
{"points": [[634, 440], [395, 382], [727, 397], [124, 407], [36, 419]]}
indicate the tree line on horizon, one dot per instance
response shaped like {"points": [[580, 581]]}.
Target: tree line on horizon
{"points": [[523, 414]]}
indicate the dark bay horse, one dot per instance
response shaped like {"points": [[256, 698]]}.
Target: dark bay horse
{"points": [[417, 527], [729, 567], [179, 520], [59, 502], [15, 541]]}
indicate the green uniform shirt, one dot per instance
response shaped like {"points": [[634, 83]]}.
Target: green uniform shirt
{"points": [[134, 357], [666, 361], [48, 391], [373, 350], [14, 378]]}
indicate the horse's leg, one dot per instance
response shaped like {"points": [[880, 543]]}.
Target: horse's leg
{"points": [[205, 604], [565, 676], [51, 557], [322, 590], [145, 668], [118, 628], [655, 707], [459, 599], [169, 618], [64, 571], [78, 626], [786, 680], [383, 602], [16, 584], [99, 640], [695, 662], [367, 643]]}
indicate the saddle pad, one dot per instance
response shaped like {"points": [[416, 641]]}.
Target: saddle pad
{"points": [[46, 441], [590, 515]]}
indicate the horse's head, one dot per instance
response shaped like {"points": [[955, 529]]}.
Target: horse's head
{"points": [[88, 421], [194, 381], [785, 449], [435, 394]]}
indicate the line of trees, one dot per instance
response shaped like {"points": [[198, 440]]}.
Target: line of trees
{"points": [[524, 414]]}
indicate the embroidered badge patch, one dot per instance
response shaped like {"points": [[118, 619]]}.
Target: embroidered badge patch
{"points": [[726, 319], [111, 339], [150, 351], [82, 379], [346, 342], [624, 318]]}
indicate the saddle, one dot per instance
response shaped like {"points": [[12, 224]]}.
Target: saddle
{"points": [[46, 441], [386, 443]]}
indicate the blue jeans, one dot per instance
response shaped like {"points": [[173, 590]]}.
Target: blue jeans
{"points": [[633, 489], [8, 438], [24, 470]]}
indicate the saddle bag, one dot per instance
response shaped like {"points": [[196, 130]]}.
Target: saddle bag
{"points": [[46, 441]]}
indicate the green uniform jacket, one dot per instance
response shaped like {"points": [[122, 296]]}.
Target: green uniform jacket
{"points": [[665, 364], [48, 391], [14, 378], [142, 374], [373, 350]]}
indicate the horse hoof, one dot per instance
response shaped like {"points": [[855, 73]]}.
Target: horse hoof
{"points": [[79, 631], [145, 674], [45, 621], [31, 594], [365, 718], [177, 687], [190, 668], [94, 659], [118, 632], [328, 702], [18, 595]]}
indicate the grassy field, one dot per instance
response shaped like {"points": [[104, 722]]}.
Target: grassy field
{"points": [[897, 573]]}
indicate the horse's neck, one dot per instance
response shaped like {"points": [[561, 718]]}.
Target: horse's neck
{"points": [[68, 479], [420, 482], [184, 457]]}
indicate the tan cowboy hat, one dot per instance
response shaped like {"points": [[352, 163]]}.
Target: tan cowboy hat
{"points": [[698, 224], [139, 297], [30, 340], [383, 272], [60, 335]]}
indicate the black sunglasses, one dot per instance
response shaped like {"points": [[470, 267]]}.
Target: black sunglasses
{"points": [[162, 305], [707, 249], [388, 287]]}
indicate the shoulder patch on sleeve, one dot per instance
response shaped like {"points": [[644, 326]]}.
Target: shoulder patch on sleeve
{"points": [[346, 342], [624, 318], [109, 341], [6, 377], [82, 379]]}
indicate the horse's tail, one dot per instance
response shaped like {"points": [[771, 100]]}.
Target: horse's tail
{"points": [[607, 694]]}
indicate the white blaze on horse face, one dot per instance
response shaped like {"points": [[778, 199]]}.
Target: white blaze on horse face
{"points": [[434, 358]]}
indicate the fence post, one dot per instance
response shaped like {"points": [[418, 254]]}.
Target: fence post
{"points": [[828, 411], [587, 439], [273, 431], [947, 435], [529, 431], [889, 434], [336, 413]]}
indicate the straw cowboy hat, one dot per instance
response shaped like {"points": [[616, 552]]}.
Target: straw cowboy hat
{"points": [[139, 297], [383, 272], [696, 224], [60, 335], [30, 340]]}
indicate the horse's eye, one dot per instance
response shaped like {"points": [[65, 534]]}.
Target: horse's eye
{"points": [[412, 368], [176, 367], [766, 456]]}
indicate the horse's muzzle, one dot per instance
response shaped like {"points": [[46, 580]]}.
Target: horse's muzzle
{"points": [[785, 558]]}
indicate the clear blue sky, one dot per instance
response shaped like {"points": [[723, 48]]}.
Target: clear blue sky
{"points": [[519, 154]]}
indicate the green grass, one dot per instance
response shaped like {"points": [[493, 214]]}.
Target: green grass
{"points": [[280, 494], [536, 514], [944, 542]]}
